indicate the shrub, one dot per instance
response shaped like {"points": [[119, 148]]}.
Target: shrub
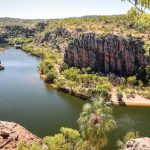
{"points": [[33, 146], [147, 48], [51, 76], [67, 139], [132, 80], [63, 67]]}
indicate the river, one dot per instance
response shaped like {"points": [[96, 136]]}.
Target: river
{"points": [[25, 99]]}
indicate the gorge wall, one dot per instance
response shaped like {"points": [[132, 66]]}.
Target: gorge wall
{"points": [[106, 54]]}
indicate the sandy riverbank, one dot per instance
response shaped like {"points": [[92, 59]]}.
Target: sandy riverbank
{"points": [[43, 77], [137, 100]]}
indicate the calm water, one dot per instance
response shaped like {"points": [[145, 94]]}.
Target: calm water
{"points": [[25, 99]]}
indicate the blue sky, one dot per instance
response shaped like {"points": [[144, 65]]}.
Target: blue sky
{"points": [[47, 9]]}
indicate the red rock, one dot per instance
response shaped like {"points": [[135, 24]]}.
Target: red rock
{"points": [[11, 133], [138, 144], [106, 54]]}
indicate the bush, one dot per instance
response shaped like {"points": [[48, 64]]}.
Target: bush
{"points": [[63, 67], [132, 80], [33, 146], [147, 48], [65, 140], [51, 76]]}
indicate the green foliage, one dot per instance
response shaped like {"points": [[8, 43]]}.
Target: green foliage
{"points": [[72, 73], [80, 82], [148, 73], [70, 135], [132, 13], [63, 67], [144, 3], [20, 40], [140, 5], [66, 140], [46, 65], [142, 22], [147, 48], [95, 122], [32, 146], [132, 80], [51, 76]]}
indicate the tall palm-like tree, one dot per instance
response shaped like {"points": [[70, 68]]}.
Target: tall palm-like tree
{"points": [[95, 121]]}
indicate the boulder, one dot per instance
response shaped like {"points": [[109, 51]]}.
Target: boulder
{"points": [[138, 144], [11, 133]]}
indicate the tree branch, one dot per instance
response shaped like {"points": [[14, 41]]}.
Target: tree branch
{"points": [[141, 10]]}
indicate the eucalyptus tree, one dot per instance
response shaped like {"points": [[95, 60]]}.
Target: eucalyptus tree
{"points": [[140, 5], [95, 121]]}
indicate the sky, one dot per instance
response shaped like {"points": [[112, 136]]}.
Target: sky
{"points": [[47, 9]]}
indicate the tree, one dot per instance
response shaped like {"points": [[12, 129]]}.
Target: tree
{"points": [[132, 13], [51, 76], [67, 139], [140, 5], [95, 121]]}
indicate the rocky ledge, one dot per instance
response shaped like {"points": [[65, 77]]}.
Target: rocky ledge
{"points": [[138, 144], [11, 133]]}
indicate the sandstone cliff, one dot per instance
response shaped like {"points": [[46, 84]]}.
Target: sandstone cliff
{"points": [[106, 54], [138, 144], [11, 133]]}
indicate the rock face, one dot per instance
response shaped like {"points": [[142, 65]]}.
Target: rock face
{"points": [[106, 54], [138, 144], [11, 133]]}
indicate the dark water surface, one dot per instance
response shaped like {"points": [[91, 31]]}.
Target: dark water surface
{"points": [[25, 99]]}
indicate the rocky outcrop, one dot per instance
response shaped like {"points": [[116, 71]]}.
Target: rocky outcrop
{"points": [[106, 54], [11, 133], [138, 144], [40, 26], [15, 30], [54, 38]]}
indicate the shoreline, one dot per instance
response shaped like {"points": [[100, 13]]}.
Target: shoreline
{"points": [[145, 104], [137, 101]]}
